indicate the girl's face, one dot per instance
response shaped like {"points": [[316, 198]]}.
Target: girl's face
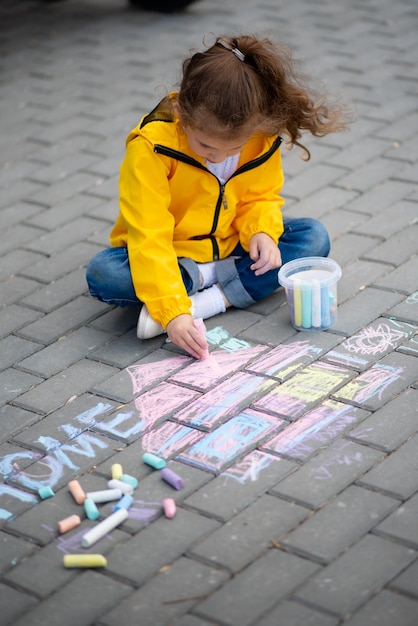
{"points": [[211, 148]]}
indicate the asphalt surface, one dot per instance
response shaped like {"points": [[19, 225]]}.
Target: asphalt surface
{"points": [[297, 450]]}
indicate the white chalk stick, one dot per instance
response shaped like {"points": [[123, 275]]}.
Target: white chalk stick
{"points": [[101, 529], [105, 495]]}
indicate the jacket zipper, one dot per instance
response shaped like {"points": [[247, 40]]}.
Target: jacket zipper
{"points": [[222, 201]]}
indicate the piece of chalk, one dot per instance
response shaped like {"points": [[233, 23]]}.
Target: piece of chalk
{"points": [[199, 324], [169, 507], [45, 492], [297, 302], [91, 509], [153, 460], [124, 503], [101, 529], [306, 305], [105, 495], [118, 484], [316, 303], [325, 307], [129, 480], [172, 478], [77, 491], [84, 560], [68, 523], [116, 471]]}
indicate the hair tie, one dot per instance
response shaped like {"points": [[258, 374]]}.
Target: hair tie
{"points": [[235, 51]]}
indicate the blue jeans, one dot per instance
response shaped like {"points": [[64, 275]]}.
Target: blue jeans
{"points": [[109, 277]]}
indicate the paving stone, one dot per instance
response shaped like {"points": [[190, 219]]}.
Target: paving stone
{"points": [[327, 199], [15, 288], [13, 349], [161, 543], [247, 535], [57, 390], [15, 261], [398, 248], [386, 609], [339, 524], [18, 235], [256, 589], [385, 195], [58, 292], [388, 477], [403, 278], [14, 419], [19, 212], [14, 317], [371, 174], [13, 550], [81, 601], [358, 275], [53, 267], [14, 603], [353, 578], [239, 486], [274, 329], [58, 323], [13, 383], [410, 346], [327, 474], [391, 425], [407, 309], [363, 309], [295, 614], [77, 416], [407, 581], [122, 351], [173, 592], [350, 246], [64, 352], [63, 211], [319, 427], [374, 387], [370, 344], [390, 220], [189, 620], [400, 525], [119, 320]]}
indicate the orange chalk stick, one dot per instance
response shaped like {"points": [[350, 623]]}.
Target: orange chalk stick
{"points": [[77, 491], [68, 523]]}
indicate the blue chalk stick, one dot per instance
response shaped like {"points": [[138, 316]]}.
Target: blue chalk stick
{"points": [[91, 509], [306, 305], [45, 492], [124, 503], [325, 307], [129, 480], [153, 460]]}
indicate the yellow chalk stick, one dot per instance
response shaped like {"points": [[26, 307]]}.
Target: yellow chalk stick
{"points": [[84, 560], [116, 471]]}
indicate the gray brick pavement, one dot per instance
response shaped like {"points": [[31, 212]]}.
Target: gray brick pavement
{"points": [[311, 519]]}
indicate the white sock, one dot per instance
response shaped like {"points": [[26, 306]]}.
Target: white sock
{"points": [[208, 273], [208, 302]]}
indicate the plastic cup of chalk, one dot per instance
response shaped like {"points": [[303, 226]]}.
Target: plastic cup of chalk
{"points": [[311, 290]]}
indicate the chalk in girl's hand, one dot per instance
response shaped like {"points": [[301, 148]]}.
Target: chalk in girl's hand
{"points": [[172, 478], [91, 509], [129, 480], [153, 460], [116, 471], [124, 503], [199, 324], [84, 560], [100, 530], [45, 492], [169, 507], [68, 523], [118, 484], [77, 491], [105, 495]]}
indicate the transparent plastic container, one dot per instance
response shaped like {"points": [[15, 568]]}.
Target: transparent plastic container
{"points": [[311, 290]]}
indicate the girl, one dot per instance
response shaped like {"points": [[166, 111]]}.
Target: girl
{"points": [[200, 227]]}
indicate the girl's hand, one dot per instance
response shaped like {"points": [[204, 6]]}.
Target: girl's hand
{"points": [[185, 335], [264, 251]]}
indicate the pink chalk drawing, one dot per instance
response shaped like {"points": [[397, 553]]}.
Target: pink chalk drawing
{"points": [[285, 358], [250, 467], [144, 375], [202, 375], [345, 453], [223, 402], [230, 440], [319, 426], [170, 439], [374, 340], [370, 384], [306, 388]]}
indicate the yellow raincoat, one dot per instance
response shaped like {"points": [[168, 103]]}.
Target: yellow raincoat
{"points": [[172, 206]]}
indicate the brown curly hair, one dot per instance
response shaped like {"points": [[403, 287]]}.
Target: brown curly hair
{"points": [[244, 85]]}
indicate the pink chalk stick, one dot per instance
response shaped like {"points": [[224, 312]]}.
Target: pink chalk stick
{"points": [[199, 324], [169, 507]]}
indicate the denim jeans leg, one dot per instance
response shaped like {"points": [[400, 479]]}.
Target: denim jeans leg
{"points": [[109, 277]]}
